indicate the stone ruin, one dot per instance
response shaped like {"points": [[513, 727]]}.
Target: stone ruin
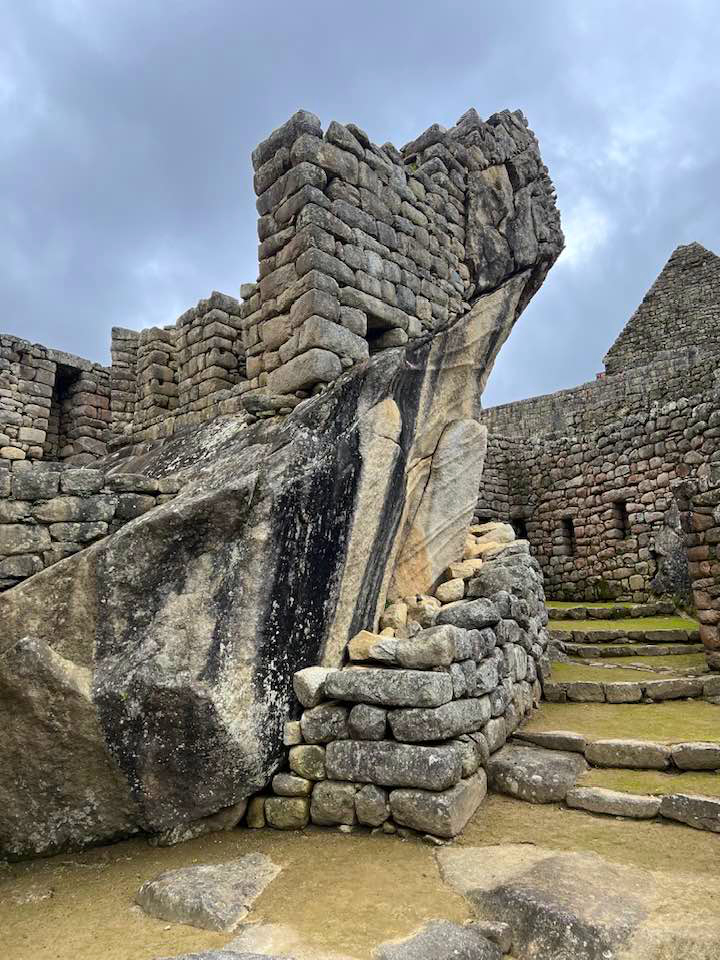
{"points": [[276, 565], [602, 479]]}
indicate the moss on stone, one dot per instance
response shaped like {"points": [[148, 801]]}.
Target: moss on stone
{"points": [[631, 623], [672, 721], [653, 782]]}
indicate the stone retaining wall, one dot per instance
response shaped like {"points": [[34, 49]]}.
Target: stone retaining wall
{"points": [[598, 509], [699, 504], [399, 738], [51, 510]]}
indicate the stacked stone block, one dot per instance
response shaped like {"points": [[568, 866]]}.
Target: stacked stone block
{"points": [[699, 504], [399, 738], [52, 405], [49, 511], [157, 388], [123, 352]]}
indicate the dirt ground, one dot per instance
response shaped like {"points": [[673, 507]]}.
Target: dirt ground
{"points": [[340, 895]]}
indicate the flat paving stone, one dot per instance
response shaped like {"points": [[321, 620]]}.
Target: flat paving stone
{"points": [[635, 754], [600, 800], [441, 940], [213, 897]]}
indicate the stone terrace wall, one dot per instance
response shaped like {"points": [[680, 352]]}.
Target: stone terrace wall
{"points": [[699, 505], [614, 486], [51, 510], [682, 306], [602, 402], [53, 405]]}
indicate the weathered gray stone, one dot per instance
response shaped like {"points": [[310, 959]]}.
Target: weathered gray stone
{"points": [[696, 756], [441, 940], [371, 805], [308, 761], [585, 691], [326, 722], [287, 813], [367, 723], [213, 897], [390, 688], [305, 370], [470, 614], [290, 785], [444, 813], [439, 723], [309, 685], [616, 803], [633, 754], [554, 739], [434, 647], [700, 812], [534, 774], [372, 646], [333, 802], [390, 764], [674, 688], [623, 692]]}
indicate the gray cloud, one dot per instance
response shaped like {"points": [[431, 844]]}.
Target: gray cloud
{"points": [[127, 128]]}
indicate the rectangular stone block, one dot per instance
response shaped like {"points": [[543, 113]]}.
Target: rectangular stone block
{"points": [[307, 369], [443, 814], [390, 764], [390, 688], [440, 723]]}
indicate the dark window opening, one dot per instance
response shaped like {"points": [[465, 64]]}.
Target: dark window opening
{"points": [[568, 537], [56, 436], [620, 515], [519, 525]]}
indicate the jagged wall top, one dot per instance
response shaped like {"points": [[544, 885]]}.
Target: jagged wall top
{"points": [[365, 246]]}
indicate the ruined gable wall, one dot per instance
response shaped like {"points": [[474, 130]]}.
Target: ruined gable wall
{"points": [[681, 307]]}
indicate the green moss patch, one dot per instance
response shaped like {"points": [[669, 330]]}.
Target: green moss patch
{"points": [[596, 604], [653, 782], [672, 721], [631, 623], [566, 672]]}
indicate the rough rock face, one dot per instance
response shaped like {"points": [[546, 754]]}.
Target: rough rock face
{"points": [[284, 542]]}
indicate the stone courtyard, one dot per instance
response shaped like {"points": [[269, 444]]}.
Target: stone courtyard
{"points": [[306, 654]]}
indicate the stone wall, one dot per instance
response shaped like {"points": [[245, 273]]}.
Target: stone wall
{"points": [[53, 405], [682, 306], [604, 401], [365, 247], [49, 511], [699, 506], [399, 739], [598, 509]]}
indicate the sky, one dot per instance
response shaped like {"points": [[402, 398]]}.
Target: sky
{"points": [[127, 127]]}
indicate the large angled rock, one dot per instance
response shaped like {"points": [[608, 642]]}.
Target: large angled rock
{"points": [[214, 897], [534, 774], [59, 786], [282, 544]]}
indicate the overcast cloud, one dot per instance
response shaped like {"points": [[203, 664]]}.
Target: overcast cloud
{"points": [[127, 125]]}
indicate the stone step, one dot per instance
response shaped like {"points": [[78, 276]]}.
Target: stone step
{"points": [[628, 691], [564, 610], [595, 650], [664, 635], [627, 668], [672, 721], [628, 753]]}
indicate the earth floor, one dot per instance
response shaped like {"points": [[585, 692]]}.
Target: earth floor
{"points": [[337, 895]]}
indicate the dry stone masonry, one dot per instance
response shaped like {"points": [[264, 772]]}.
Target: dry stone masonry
{"points": [[400, 737], [587, 474]]}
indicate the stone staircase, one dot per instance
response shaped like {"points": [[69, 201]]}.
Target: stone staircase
{"points": [[631, 722]]}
